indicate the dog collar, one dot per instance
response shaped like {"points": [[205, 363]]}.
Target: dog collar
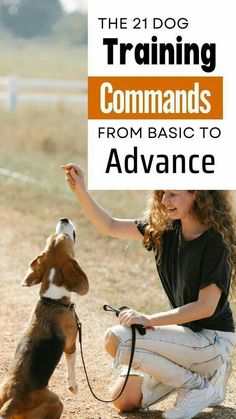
{"points": [[57, 303]]}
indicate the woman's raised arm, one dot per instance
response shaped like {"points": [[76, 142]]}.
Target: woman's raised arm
{"points": [[99, 217]]}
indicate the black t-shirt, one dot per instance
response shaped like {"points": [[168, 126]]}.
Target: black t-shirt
{"points": [[185, 267]]}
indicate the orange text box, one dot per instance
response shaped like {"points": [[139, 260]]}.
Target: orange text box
{"points": [[155, 98]]}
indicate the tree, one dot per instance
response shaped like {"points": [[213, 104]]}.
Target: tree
{"points": [[72, 28], [30, 18]]}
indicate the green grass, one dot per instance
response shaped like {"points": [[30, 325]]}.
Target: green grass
{"points": [[38, 59], [53, 129], [36, 139]]}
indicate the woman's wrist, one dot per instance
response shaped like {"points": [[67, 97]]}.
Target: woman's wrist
{"points": [[152, 320], [81, 192]]}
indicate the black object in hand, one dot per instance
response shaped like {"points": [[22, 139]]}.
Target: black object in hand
{"points": [[139, 327]]}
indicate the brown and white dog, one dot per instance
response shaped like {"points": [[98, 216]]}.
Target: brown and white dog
{"points": [[52, 330]]}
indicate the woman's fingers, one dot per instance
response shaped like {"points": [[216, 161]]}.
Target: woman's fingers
{"points": [[130, 317], [68, 166], [75, 174], [70, 179], [75, 167]]}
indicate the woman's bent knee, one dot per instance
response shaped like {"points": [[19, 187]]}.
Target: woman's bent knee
{"points": [[111, 343], [131, 397]]}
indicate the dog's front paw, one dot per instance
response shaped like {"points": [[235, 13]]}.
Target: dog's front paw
{"points": [[73, 387]]}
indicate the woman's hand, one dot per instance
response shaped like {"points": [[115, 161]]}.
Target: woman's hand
{"points": [[129, 317], [74, 177]]}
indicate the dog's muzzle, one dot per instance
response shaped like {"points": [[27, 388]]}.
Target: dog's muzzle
{"points": [[66, 226]]}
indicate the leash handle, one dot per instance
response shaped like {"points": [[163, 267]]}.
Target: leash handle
{"points": [[141, 329], [117, 311]]}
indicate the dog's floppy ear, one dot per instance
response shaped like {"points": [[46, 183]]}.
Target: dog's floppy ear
{"points": [[74, 278], [35, 272]]}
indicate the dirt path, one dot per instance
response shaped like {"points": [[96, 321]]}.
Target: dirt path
{"points": [[20, 240]]}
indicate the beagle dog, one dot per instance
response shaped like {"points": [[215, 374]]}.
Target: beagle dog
{"points": [[51, 331]]}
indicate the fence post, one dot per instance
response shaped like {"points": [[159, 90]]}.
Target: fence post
{"points": [[11, 101]]}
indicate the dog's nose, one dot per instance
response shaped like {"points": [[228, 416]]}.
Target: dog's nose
{"points": [[64, 220]]}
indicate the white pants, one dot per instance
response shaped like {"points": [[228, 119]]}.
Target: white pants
{"points": [[173, 356]]}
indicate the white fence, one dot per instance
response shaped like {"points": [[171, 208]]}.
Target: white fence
{"points": [[13, 93]]}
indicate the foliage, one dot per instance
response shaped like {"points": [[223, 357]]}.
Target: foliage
{"points": [[72, 28], [31, 18]]}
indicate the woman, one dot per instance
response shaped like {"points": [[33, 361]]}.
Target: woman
{"points": [[187, 348]]}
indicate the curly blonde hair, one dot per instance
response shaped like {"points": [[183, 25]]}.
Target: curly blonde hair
{"points": [[211, 208]]}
